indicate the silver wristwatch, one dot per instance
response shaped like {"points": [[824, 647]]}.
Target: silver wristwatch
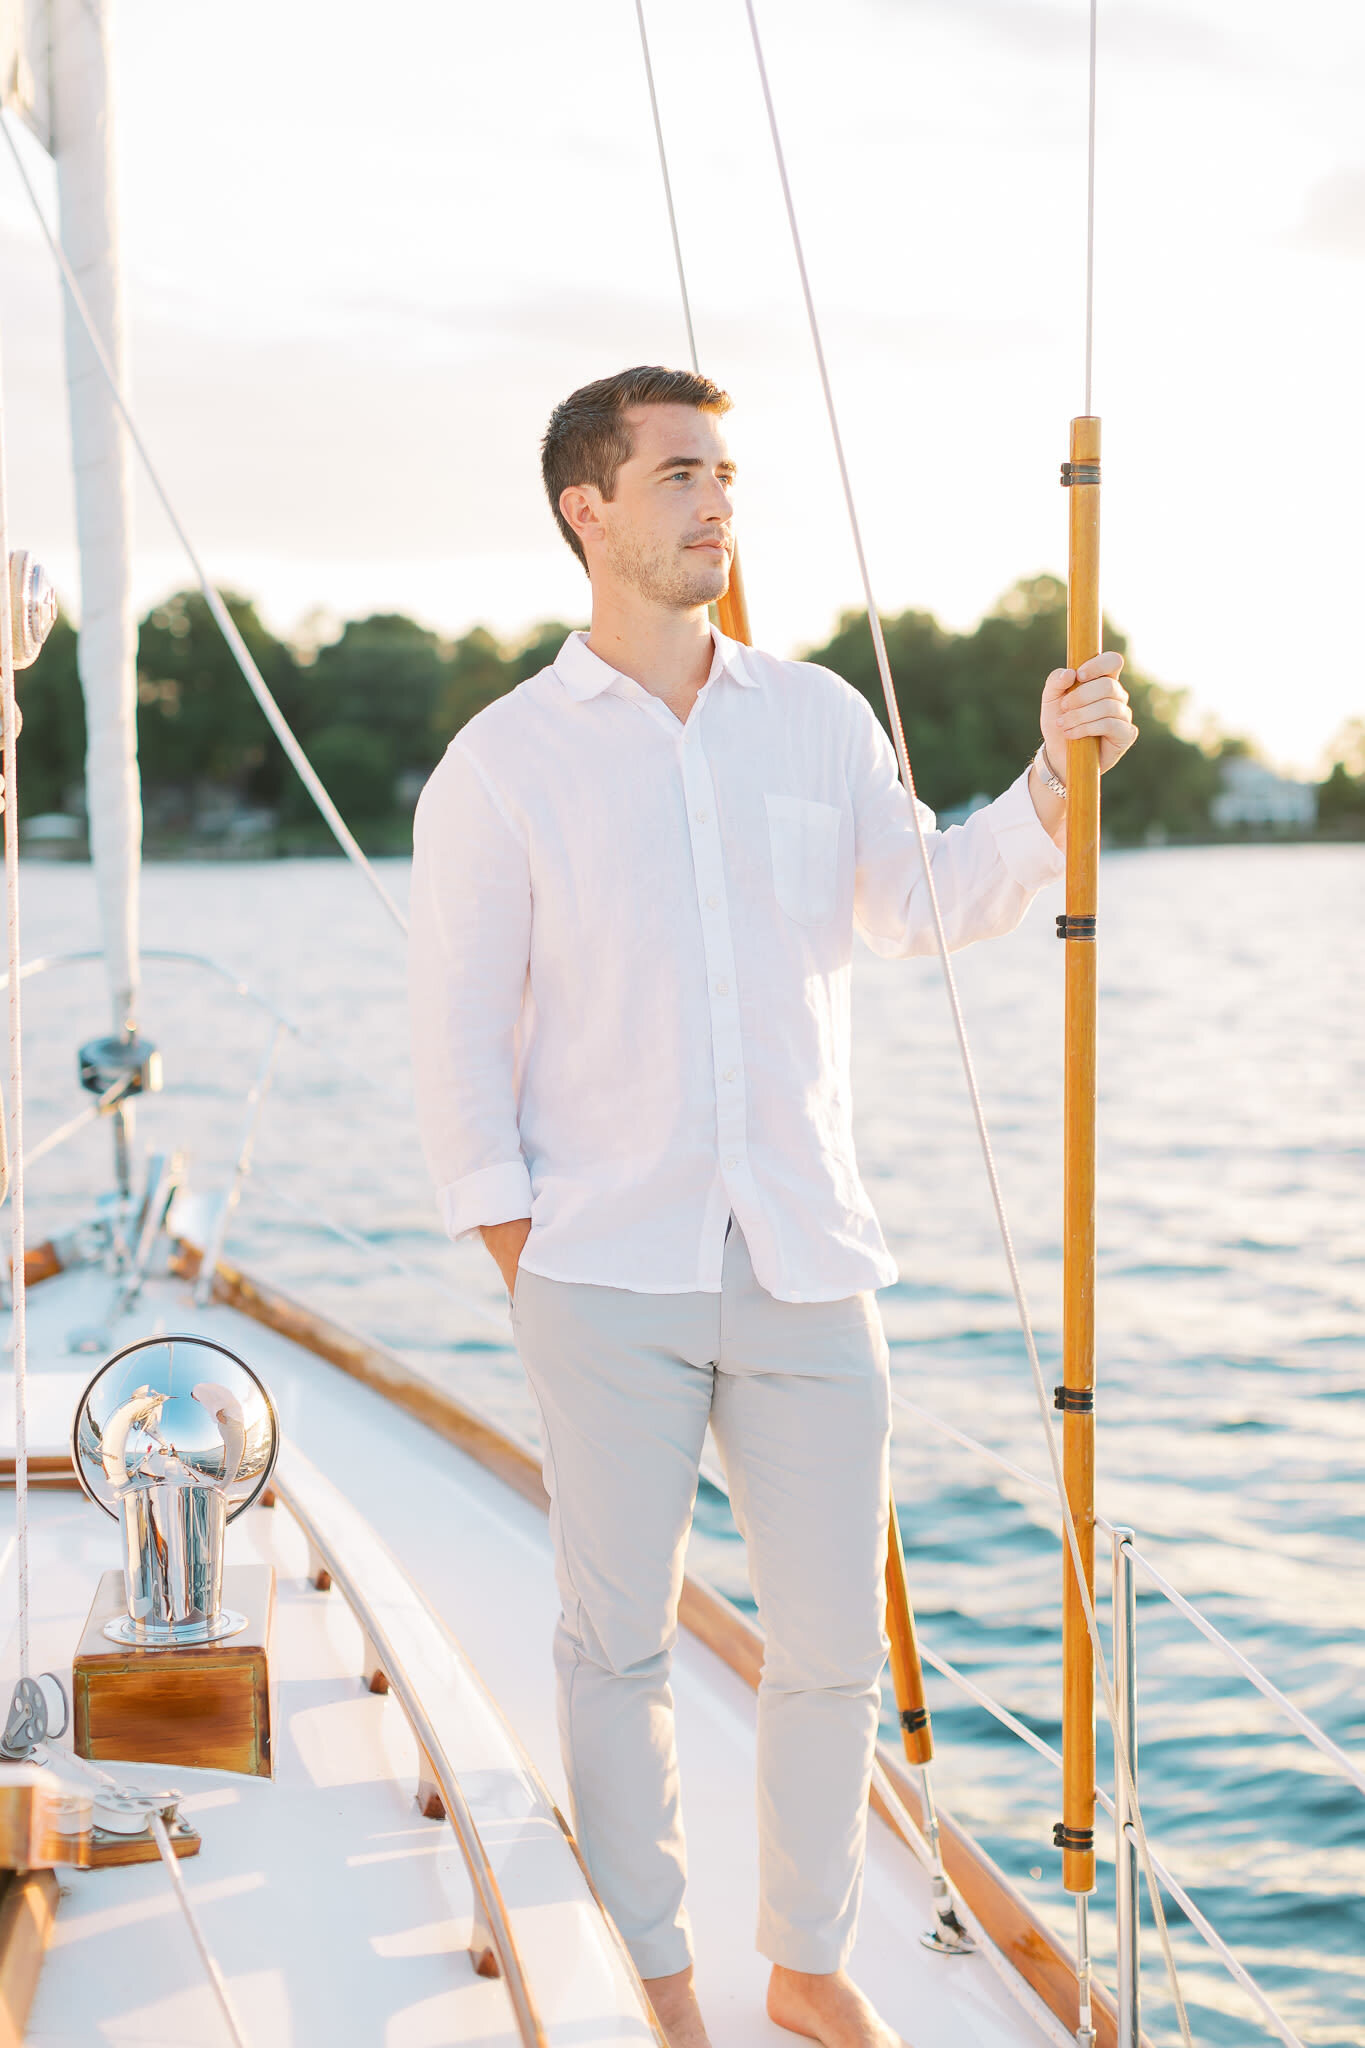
{"points": [[1042, 764]]}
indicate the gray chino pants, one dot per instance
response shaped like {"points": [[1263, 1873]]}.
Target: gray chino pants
{"points": [[797, 1396]]}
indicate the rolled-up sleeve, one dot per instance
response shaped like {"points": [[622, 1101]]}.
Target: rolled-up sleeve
{"points": [[468, 949], [986, 872]]}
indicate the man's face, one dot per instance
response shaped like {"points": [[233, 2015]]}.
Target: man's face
{"points": [[666, 532]]}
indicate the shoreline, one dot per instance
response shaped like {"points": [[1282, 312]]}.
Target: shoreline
{"points": [[192, 853]]}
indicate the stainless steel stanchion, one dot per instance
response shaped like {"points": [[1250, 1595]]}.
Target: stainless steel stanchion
{"points": [[1126, 1883]]}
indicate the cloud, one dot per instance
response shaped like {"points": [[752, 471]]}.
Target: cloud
{"points": [[1333, 219], [1151, 34]]}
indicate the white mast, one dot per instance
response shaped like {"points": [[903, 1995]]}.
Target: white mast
{"points": [[82, 143]]}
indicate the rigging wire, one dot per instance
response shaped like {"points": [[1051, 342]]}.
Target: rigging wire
{"points": [[1090, 205], [959, 1022], [668, 188], [241, 653], [18, 1291]]}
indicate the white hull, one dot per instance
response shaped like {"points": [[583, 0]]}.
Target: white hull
{"points": [[335, 1910]]}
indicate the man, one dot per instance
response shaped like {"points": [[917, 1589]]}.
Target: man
{"points": [[635, 889]]}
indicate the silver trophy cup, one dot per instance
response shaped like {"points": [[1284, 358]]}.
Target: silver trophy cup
{"points": [[175, 1437]]}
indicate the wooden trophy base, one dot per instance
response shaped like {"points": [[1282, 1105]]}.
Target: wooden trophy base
{"points": [[207, 1705]]}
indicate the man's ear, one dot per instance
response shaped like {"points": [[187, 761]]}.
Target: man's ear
{"points": [[580, 505]]}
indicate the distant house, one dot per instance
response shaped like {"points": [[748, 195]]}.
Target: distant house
{"points": [[55, 835], [1252, 794]]}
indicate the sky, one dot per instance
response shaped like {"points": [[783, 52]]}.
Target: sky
{"points": [[367, 249]]}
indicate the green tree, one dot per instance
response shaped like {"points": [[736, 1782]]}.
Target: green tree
{"points": [[481, 670], [1341, 798], [477, 674], [356, 765], [197, 721], [385, 675], [970, 706], [52, 745]]}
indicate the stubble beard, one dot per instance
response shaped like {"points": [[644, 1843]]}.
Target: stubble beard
{"points": [[668, 575]]}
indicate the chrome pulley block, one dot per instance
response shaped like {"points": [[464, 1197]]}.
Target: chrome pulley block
{"points": [[33, 606], [39, 1711]]}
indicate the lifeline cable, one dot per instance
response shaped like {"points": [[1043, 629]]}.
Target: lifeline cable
{"points": [[241, 653], [959, 1022], [18, 1292]]}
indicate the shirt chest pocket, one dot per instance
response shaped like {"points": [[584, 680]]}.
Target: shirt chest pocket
{"points": [[804, 839]]}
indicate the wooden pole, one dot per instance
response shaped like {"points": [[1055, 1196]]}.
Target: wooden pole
{"points": [[1077, 1395], [907, 1673], [732, 610], [906, 1670]]}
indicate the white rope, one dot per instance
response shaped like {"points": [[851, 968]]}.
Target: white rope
{"points": [[969, 1443], [959, 1023], [256, 682], [1307, 1728], [1013, 1980], [1090, 206], [1205, 1927], [215, 1976], [668, 187], [1225, 1955], [66, 1762], [983, 1699], [78, 1122], [18, 1290]]}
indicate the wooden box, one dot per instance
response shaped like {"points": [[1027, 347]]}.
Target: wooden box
{"points": [[209, 1705]]}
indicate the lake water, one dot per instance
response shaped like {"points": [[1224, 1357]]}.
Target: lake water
{"points": [[1231, 1415]]}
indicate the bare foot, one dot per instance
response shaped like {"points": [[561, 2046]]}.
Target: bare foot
{"points": [[828, 2008], [676, 2009]]}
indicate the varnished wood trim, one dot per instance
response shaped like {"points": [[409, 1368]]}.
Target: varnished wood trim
{"points": [[41, 1262], [28, 1908], [1004, 1914], [45, 1469]]}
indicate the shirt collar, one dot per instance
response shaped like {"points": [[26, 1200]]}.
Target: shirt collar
{"points": [[585, 674]]}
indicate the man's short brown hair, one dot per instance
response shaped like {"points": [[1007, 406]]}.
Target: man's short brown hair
{"points": [[587, 439]]}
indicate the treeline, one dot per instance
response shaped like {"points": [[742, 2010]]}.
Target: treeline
{"points": [[376, 706], [373, 708]]}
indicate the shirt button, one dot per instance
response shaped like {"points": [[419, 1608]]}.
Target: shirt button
{"points": [[711, 902], [728, 1075], [730, 1165], [722, 988], [702, 817]]}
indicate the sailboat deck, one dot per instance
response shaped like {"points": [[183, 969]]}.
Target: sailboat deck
{"points": [[335, 1910]]}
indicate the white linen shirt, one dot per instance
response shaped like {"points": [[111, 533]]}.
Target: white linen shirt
{"points": [[630, 966]]}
